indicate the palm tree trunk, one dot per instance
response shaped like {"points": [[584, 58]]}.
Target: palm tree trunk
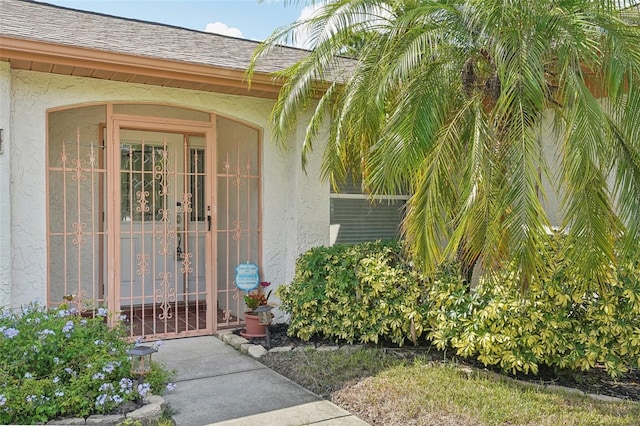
{"points": [[467, 265]]}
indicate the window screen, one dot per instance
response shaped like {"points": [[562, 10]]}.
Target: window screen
{"points": [[356, 218]]}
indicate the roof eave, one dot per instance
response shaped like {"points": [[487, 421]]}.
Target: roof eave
{"points": [[161, 72]]}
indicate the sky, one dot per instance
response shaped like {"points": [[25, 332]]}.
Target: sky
{"points": [[248, 19]]}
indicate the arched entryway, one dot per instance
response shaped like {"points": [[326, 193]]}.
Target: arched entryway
{"points": [[150, 209]]}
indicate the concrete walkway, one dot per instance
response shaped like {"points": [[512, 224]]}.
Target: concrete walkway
{"points": [[217, 384]]}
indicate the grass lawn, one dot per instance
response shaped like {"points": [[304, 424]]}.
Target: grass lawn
{"points": [[383, 389]]}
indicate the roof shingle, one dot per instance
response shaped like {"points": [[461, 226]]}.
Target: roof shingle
{"points": [[59, 25]]}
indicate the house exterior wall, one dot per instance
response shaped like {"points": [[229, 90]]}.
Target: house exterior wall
{"points": [[552, 151], [551, 197], [305, 225], [295, 211], [5, 185]]}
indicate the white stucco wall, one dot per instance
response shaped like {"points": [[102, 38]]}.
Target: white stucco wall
{"points": [[5, 186], [551, 196], [553, 154], [307, 225], [295, 204]]}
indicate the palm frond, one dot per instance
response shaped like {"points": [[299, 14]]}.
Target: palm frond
{"points": [[487, 110]]}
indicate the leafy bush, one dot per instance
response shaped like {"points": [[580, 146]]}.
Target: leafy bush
{"points": [[368, 292], [365, 292], [559, 321], [54, 363]]}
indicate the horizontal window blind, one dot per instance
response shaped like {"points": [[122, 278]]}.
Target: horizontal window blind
{"points": [[356, 219]]}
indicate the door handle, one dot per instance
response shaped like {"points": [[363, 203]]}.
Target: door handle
{"points": [[209, 222]]}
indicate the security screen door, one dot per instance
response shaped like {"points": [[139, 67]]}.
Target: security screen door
{"points": [[150, 210], [163, 223]]}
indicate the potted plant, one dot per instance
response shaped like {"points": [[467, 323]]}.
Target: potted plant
{"points": [[253, 300]]}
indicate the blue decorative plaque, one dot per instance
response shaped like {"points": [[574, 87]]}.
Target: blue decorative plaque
{"points": [[247, 277]]}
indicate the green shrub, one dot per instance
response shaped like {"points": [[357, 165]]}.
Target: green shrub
{"points": [[559, 322], [368, 292], [54, 363], [364, 292]]}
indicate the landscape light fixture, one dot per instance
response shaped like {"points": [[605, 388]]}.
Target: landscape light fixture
{"points": [[141, 361], [264, 314]]}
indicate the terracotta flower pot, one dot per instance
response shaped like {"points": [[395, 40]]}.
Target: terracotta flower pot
{"points": [[253, 327]]}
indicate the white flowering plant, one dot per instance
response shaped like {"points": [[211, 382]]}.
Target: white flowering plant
{"points": [[55, 363]]}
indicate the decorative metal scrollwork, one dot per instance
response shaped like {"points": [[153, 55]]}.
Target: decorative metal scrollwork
{"points": [[166, 295], [238, 234], [143, 203], [143, 264], [79, 233], [186, 263]]}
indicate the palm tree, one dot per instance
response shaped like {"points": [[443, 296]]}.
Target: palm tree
{"points": [[485, 109]]}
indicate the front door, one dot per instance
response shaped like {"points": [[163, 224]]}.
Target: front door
{"points": [[164, 221]]}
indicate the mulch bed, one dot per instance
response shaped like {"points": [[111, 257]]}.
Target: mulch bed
{"points": [[594, 381]]}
